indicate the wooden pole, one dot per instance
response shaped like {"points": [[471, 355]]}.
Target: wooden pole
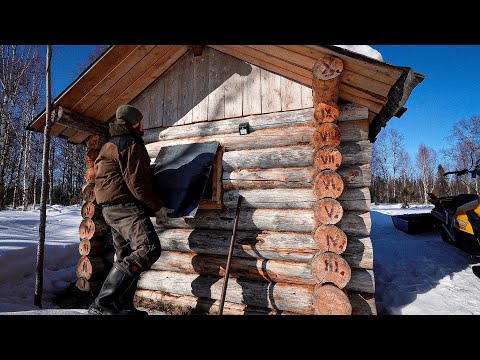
{"points": [[230, 254], [43, 202]]}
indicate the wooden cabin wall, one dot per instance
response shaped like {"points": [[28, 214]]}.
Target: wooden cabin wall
{"points": [[217, 86], [272, 168]]}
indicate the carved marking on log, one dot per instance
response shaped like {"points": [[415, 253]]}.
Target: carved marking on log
{"points": [[95, 142], [328, 211], [326, 135], [331, 267], [90, 176], [328, 158], [88, 192], [330, 300], [326, 112], [92, 154], [330, 238], [328, 184], [327, 67]]}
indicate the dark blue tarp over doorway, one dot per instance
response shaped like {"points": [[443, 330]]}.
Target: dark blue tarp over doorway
{"points": [[181, 174]]}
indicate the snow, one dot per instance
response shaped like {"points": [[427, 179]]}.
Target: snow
{"points": [[414, 274], [420, 274], [364, 50]]}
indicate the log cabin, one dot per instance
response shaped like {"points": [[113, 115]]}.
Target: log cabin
{"points": [[302, 167]]}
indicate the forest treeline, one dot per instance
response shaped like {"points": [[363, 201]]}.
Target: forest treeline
{"points": [[22, 97], [398, 176]]}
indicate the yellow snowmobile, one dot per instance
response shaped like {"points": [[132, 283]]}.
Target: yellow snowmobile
{"points": [[459, 217]]}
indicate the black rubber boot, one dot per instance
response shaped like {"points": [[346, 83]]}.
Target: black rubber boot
{"points": [[125, 300], [106, 303]]}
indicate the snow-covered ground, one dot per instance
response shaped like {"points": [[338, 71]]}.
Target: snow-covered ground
{"points": [[420, 274], [414, 274]]}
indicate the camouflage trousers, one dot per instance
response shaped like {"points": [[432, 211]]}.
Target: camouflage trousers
{"points": [[136, 243]]}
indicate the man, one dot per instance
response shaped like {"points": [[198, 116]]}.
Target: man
{"points": [[123, 186]]}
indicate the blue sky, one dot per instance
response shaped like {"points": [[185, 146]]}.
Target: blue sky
{"points": [[450, 91]]}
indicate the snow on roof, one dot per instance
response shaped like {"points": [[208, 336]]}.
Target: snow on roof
{"points": [[366, 50]]}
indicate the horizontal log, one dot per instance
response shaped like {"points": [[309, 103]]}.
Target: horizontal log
{"points": [[354, 130], [89, 267], [90, 157], [352, 176], [93, 229], [356, 152], [327, 158], [241, 268], [271, 198], [363, 304], [359, 252], [356, 223], [184, 304], [92, 248], [91, 210], [356, 199], [291, 220], [260, 139], [271, 178], [328, 183], [290, 156], [330, 238], [267, 138], [362, 281], [356, 175], [348, 112], [73, 120], [330, 268], [281, 296], [326, 134], [330, 300], [88, 192], [296, 220], [265, 244]]}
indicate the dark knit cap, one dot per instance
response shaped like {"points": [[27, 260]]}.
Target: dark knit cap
{"points": [[128, 114]]}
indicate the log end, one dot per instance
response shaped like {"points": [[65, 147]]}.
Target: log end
{"points": [[328, 158], [327, 67], [326, 112], [326, 134], [328, 211], [328, 184], [330, 238], [330, 300], [331, 268]]}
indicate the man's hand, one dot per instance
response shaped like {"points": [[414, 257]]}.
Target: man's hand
{"points": [[162, 213]]}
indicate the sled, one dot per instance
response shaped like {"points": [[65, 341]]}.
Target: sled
{"points": [[414, 223]]}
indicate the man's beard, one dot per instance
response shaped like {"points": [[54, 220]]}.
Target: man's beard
{"points": [[137, 131]]}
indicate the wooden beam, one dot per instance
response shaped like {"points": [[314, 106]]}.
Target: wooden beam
{"points": [[197, 50], [78, 122]]}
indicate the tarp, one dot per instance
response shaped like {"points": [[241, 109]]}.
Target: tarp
{"points": [[181, 174]]}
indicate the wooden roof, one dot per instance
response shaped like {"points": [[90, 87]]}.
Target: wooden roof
{"points": [[124, 71]]}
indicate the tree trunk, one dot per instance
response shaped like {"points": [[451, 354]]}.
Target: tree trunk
{"points": [[330, 300], [26, 171], [43, 201], [35, 179], [50, 193]]}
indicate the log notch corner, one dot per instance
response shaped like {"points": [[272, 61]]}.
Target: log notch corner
{"points": [[329, 269]]}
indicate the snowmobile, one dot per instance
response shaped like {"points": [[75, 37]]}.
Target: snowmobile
{"points": [[459, 217]]}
